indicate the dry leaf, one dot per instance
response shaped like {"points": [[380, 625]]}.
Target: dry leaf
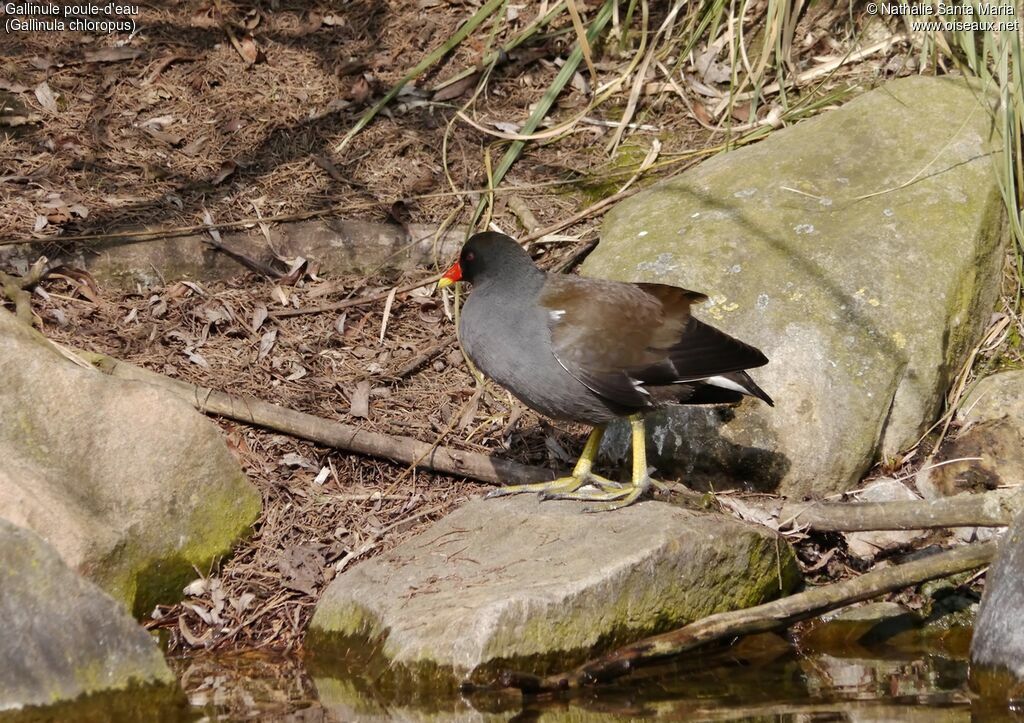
{"points": [[457, 89], [46, 97], [266, 344], [12, 87], [171, 139], [360, 90], [360, 405], [249, 50], [206, 17], [259, 315], [193, 148], [301, 568], [227, 168], [111, 55]]}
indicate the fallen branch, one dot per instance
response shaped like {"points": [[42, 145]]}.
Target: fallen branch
{"points": [[422, 358], [761, 618], [987, 509], [334, 434]]}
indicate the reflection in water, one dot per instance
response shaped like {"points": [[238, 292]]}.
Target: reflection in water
{"points": [[762, 678]]}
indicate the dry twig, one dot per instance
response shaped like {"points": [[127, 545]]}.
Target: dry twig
{"points": [[758, 619], [334, 434]]}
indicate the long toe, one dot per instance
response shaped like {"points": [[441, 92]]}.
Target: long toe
{"points": [[625, 498], [562, 484]]}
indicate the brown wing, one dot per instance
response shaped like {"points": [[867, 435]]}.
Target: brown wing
{"points": [[616, 337]]}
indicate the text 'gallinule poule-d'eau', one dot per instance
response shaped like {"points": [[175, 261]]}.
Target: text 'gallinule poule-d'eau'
{"points": [[591, 350]]}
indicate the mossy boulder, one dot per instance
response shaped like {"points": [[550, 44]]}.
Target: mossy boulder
{"points": [[859, 249], [539, 585], [63, 637], [134, 488]]}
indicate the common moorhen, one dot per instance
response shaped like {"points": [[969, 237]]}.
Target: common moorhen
{"points": [[591, 350]]}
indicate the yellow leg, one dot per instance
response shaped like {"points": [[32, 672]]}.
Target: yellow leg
{"points": [[581, 475], [624, 495]]}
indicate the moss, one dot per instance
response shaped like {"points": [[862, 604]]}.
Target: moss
{"points": [[136, 703], [352, 642]]}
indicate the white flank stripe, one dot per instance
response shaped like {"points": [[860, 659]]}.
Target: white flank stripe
{"points": [[725, 384]]}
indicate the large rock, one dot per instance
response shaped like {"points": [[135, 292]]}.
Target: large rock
{"points": [[132, 486], [998, 634], [516, 581], [859, 249], [988, 451], [62, 636]]}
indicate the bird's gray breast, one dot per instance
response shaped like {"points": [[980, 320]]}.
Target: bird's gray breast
{"points": [[511, 344]]}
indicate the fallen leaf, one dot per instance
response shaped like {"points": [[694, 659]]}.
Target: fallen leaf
{"points": [[266, 344], [293, 459], [111, 55], [249, 50], [457, 89], [259, 315], [205, 17], [171, 139], [12, 87], [242, 602], [301, 568], [46, 97], [360, 404], [360, 90], [227, 168], [197, 358], [193, 148]]}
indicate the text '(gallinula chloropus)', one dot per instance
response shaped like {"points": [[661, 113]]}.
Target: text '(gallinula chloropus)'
{"points": [[591, 350]]}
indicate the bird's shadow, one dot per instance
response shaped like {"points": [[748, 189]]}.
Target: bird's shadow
{"points": [[690, 444]]}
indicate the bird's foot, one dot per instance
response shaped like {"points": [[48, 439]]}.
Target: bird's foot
{"points": [[614, 499], [558, 489]]}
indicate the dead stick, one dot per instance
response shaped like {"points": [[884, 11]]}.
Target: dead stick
{"points": [[334, 434], [758, 619], [339, 305], [422, 358], [987, 509]]}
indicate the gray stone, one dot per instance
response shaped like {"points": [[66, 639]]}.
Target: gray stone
{"points": [[337, 247], [868, 545], [988, 450], [859, 249], [62, 636], [130, 484], [516, 579], [998, 640]]}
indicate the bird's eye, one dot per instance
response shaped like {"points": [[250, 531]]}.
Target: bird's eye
{"points": [[470, 256]]}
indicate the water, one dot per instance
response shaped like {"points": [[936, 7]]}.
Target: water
{"points": [[831, 676]]}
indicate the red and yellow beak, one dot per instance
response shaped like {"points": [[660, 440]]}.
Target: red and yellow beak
{"points": [[450, 276]]}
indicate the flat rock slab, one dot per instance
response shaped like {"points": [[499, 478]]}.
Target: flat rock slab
{"points": [[133, 487], [516, 580], [62, 636], [859, 249]]}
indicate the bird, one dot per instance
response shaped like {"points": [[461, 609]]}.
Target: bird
{"points": [[590, 350]]}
